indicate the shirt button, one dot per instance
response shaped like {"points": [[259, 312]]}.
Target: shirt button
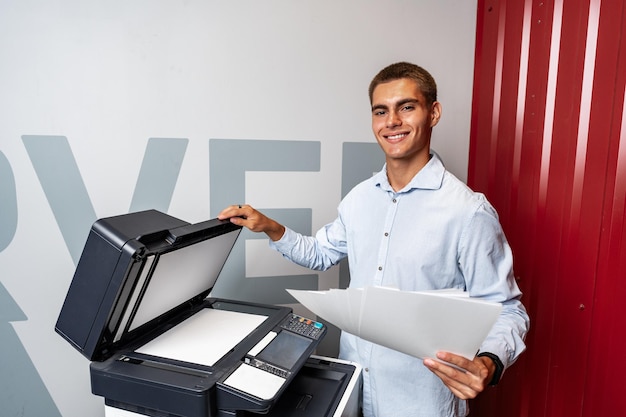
{"points": [[380, 268], [386, 234], [367, 369], [394, 200]]}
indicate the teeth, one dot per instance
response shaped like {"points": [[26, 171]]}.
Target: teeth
{"points": [[396, 136]]}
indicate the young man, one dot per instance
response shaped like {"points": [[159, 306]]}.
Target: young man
{"points": [[413, 226]]}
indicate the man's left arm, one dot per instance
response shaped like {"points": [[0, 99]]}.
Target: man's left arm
{"points": [[486, 262]]}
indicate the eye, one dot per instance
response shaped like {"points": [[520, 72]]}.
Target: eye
{"points": [[379, 112], [408, 107]]}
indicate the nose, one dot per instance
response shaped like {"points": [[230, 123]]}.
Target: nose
{"points": [[393, 119]]}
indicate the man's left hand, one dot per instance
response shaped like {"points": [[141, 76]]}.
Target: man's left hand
{"points": [[468, 379]]}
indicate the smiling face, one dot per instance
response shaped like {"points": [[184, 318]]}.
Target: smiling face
{"points": [[402, 122]]}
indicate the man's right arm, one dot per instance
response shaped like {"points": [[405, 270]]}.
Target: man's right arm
{"points": [[321, 252]]}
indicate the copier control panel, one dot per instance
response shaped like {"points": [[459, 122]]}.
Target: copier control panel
{"points": [[279, 351], [303, 326]]}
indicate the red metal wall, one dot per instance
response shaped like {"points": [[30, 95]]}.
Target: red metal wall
{"points": [[548, 148]]}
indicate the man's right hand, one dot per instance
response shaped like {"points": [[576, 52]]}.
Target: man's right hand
{"points": [[248, 217]]}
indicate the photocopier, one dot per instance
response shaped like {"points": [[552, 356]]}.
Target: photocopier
{"points": [[139, 308]]}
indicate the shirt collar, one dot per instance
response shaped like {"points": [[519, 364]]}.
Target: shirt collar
{"points": [[428, 178]]}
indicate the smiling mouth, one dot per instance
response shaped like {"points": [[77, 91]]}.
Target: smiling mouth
{"points": [[396, 136]]}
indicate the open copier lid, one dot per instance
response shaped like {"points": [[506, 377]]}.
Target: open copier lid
{"points": [[138, 307], [136, 271]]}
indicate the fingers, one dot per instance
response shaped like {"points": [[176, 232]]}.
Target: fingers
{"points": [[243, 215], [457, 360], [458, 382], [235, 210], [466, 379], [246, 216]]}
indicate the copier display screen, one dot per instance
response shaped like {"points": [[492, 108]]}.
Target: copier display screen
{"points": [[285, 350]]}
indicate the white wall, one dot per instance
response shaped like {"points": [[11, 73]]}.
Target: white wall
{"points": [[109, 75]]}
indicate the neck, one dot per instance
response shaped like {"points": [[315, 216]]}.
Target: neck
{"points": [[400, 173]]}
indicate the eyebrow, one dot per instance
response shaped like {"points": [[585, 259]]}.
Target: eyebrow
{"points": [[400, 103]]}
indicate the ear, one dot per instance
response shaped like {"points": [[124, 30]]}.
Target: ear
{"points": [[435, 113]]}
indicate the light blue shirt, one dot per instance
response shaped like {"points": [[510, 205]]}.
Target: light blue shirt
{"points": [[435, 233]]}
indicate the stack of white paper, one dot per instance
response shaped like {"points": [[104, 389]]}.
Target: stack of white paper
{"points": [[416, 323]]}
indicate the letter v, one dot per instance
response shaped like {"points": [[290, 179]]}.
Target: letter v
{"points": [[67, 195]]}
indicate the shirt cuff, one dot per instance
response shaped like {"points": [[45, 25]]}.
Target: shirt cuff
{"points": [[286, 242]]}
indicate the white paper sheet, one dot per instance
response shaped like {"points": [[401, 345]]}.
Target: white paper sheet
{"points": [[260, 383], [416, 323], [205, 337]]}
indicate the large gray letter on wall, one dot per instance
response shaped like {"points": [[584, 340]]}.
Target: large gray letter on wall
{"points": [[229, 160], [22, 392], [159, 173], [63, 185], [8, 203], [67, 195], [359, 161]]}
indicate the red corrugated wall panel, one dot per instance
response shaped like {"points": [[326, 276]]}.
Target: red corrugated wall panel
{"points": [[607, 362], [547, 124]]}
